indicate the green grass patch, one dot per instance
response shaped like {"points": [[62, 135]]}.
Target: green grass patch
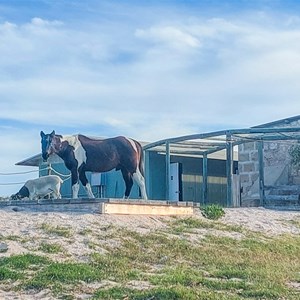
{"points": [[212, 211], [57, 274], [15, 267], [16, 238], [218, 267], [57, 230], [176, 292], [189, 224], [50, 248], [23, 261], [7, 274], [115, 266]]}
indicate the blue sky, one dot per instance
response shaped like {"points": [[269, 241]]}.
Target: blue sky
{"points": [[144, 69]]}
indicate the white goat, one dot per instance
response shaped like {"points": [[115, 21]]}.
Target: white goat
{"points": [[40, 187]]}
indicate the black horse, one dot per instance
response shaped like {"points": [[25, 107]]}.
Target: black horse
{"points": [[82, 154]]}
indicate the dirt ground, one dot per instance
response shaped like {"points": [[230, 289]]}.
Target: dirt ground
{"points": [[23, 231]]}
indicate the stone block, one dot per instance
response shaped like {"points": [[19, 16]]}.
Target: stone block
{"points": [[249, 167], [254, 156], [244, 157], [254, 177], [244, 178], [249, 146]]}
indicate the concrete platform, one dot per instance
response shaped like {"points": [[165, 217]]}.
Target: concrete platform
{"points": [[103, 206], [157, 208]]}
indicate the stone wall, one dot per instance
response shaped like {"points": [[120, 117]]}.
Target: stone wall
{"points": [[277, 167], [248, 167]]}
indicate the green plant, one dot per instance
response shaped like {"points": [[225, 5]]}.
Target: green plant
{"points": [[212, 211]]}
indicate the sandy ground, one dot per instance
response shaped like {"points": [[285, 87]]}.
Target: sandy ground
{"points": [[23, 231], [28, 225], [268, 221]]}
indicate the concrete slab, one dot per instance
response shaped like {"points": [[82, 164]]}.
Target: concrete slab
{"points": [[105, 206], [123, 208]]}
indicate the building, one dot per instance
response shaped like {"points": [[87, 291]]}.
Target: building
{"points": [[266, 174], [238, 167], [185, 176]]}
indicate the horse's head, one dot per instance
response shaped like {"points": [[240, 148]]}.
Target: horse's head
{"points": [[49, 144]]}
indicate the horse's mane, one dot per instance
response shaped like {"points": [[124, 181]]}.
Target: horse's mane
{"points": [[91, 138]]}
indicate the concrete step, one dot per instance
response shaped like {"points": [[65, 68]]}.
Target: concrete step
{"points": [[284, 190], [282, 200]]}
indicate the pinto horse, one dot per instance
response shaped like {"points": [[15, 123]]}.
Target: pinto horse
{"points": [[81, 154]]}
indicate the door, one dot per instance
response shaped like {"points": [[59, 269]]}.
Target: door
{"points": [[175, 182]]}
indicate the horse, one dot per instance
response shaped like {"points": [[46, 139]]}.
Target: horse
{"points": [[81, 153]]}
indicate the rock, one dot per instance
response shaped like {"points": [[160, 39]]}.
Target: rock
{"points": [[3, 247]]}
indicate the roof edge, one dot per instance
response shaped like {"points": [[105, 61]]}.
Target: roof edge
{"points": [[278, 122]]}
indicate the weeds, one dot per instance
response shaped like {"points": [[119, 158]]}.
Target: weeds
{"points": [[217, 267], [50, 248], [212, 211], [57, 230]]}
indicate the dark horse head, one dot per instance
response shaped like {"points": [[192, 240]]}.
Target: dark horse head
{"points": [[47, 141]]}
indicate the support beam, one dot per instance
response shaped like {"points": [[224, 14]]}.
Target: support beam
{"points": [[229, 169], [168, 170], [204, 181], [147, 168], [261, 174]]}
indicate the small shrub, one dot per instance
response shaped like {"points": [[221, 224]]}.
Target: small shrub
{"points": [[212, 211]]}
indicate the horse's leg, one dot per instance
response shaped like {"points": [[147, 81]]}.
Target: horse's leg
{"points": [[140, 180], [128, 182], [75, 183], [86, 184]]}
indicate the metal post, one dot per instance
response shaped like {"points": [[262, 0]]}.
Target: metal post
{"points": [[204, 179], [261, 173], [147, 172], [168, 170], [229, 168]]}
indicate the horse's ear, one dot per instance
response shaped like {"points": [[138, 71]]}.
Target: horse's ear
{"points": [[52, 133], [42, 134]]}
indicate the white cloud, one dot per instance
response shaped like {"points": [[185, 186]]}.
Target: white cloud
{"points": [[170, 36], [151, 77], [45, 23]]}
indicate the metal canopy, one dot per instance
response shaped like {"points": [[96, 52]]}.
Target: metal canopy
{"points": [[205, 144]]}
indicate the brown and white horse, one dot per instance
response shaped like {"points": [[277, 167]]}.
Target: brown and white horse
{"points": [[82, 154]]}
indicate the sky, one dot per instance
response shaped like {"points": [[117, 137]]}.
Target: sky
{"points": [[145, 69]]}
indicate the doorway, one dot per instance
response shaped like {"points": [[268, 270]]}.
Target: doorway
{"points": [[175, 182]]}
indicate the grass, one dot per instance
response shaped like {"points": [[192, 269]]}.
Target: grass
{"points": [[190, 224], [50, 248], [56, 230], [217, 267]]}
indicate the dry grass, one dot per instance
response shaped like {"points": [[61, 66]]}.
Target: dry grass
{"points": [[186, 258]]}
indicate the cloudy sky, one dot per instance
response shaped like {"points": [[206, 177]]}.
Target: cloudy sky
{"points": [[145, 69]]}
